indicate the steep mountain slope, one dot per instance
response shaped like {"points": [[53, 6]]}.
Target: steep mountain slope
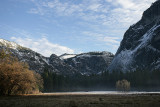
{"points": [[36, 61], [140, 47], [89, 63]]}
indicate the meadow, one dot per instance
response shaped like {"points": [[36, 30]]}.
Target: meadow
{"points": [[82, 100]]}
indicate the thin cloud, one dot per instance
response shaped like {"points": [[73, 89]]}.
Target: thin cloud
{"points": [[107, 13], [109, 40], [42, 46], [129, 10], [127, 4]]}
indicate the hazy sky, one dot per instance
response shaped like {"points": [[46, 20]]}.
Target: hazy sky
{"points": [[69, 26]]}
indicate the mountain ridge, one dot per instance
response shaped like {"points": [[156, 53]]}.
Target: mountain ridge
{"points": [[36, 61], [91, 62], [54, 63]]}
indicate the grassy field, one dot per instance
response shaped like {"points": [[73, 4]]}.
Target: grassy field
{"points": [[81, 100]]}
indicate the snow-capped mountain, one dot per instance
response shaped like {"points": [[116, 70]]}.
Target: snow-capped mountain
{"points": [[66, 64], [90, 63], [9, 44], [140, 47], [36, 61]]}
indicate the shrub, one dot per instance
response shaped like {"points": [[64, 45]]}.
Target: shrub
{"points": [[123, 85]]}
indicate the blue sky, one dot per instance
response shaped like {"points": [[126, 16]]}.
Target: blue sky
{"points": [[69, 26]]}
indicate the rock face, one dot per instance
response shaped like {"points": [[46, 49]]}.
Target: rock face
{"points": [[140, 47], [61, 66], [89, 63], [36, 61]]}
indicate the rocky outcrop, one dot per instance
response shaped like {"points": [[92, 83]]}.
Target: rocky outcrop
{"points": [[140, 47], [90, 63]]}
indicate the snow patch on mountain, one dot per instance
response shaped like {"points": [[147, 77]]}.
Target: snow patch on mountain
{"points": [[9, 44], [124, 60], [66, 56], [91, 62]]}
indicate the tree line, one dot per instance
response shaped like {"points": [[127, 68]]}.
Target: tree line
{"points": [[139, 79]]}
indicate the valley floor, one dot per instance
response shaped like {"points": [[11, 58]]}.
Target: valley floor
{"points": [[82, 100]]}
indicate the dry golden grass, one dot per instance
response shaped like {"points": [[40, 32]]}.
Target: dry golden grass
{"points": [[81, 100]]}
